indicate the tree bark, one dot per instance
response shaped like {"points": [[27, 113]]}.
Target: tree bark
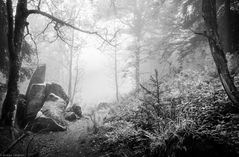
{"points": [[15, 37], [3, 48], [228, 35], [3, 39], [210, 18]]}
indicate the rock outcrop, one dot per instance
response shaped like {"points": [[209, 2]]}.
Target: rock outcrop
{"points": [[43, 123], [54, 107], [38, 77], [57, 90], [43, 108], [76, 109], [73, 112], [35, 100], [51, 115]]}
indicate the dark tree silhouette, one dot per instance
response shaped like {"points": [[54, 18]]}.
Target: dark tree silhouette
{"points": [[210, 18]]}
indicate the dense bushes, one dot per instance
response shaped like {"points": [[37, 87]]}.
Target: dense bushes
{"points": [[187, 116]]}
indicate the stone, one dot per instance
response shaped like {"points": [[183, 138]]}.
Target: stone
{"points": [[70, 116], [54, 107], [51, 115], [77, 110], [57, 90], [43, 123], [35, 100], [38, 77]]}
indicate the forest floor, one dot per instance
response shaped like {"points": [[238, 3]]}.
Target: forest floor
{"points": [[71, 143]]}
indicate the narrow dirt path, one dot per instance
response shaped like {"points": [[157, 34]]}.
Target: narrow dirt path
{"points": [[70, 143]]}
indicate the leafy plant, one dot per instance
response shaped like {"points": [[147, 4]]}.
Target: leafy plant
{"points": [[165, 115]]}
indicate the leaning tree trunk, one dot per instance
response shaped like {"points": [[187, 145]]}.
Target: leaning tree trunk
{"points": [[210, 18], [15, 37]]}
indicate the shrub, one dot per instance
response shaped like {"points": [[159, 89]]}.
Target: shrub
{"points": [[165, 114]]}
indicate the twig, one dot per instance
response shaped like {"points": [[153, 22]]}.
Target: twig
{"points": [[14, 143], [44, 30], [28, 145], [39, 4], [202, 34], [148, 91]]}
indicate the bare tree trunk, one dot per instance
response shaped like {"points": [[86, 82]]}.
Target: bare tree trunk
{"points": [[157, 85], [3, 46], [76, 80], [15, 37], [138, 26], [137, 68], [210, 18], [70, 68], [116, 75]]}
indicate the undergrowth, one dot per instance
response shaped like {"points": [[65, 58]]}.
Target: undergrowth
{"points": [[190, 114]]}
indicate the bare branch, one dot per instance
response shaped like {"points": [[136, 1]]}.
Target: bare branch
{"points": [[148, 91], [63, 23], [201, 33], [14, 143], [34, 42], [39, 4], [44, 30]]}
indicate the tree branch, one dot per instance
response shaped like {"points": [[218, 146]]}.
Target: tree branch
{"points": [[14, 143], [44, 30], [202, 34], [34, 42], [63, 23], [39, 4]]}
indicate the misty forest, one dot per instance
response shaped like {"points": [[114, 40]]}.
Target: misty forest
{"points": [[119, 78]]}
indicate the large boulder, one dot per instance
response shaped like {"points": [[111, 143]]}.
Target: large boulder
{"points": [[38, 77], [54, 108], [51, 116], [43, 123], [35, 101], [57, 90]]}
